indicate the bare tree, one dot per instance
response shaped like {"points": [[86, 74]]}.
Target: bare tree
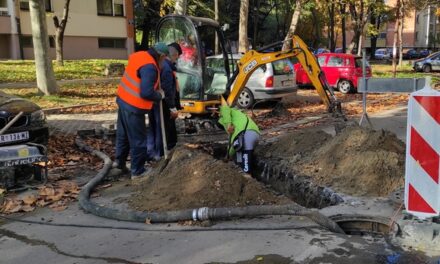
{"points": [[180, 7], [45, 76], [243, 42], [293, 24], [216, 19], [396, 35], [342, 9], [60, 27]]}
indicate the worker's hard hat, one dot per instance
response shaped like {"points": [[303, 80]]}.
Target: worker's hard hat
{"points": [[161, 48]]}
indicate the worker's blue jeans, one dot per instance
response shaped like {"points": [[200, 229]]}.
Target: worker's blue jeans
{"points": [[154, 138], [131, 137]]}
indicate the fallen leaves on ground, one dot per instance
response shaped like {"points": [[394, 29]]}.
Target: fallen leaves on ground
{"points": [[57, 195], [310, 105], [63, 152]]}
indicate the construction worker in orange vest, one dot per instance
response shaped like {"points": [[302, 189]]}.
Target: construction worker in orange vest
{"points": [[138, 90]]}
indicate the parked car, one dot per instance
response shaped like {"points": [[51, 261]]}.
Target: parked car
{"points": [[273, 81], [320, 51], [424, 53], [339, 50], [30, 127], [428, 64], [382, 54], [410, 54], [342, 71]]}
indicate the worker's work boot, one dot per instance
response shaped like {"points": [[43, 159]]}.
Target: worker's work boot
{"points": [[142, 175], [119, 166]]}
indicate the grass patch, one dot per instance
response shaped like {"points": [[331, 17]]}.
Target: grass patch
{"points": [[404, 71], [24, 71], [70, 95]]}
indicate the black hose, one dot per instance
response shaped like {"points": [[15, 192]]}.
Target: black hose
{"points": [[168, 230], [187, 214]]}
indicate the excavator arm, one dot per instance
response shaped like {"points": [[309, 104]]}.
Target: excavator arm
{"points": [[298, 49]]}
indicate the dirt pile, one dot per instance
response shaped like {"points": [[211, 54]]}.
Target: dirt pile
{"points": [[195, 179], [357, 161]]}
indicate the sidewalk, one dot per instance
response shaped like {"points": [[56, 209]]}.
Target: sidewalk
{"points": [[71, 123]]}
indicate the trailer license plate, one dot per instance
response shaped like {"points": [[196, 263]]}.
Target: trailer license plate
{"points": [[14, 137]]}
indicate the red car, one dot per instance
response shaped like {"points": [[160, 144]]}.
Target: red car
{"points": [[341, 70]]}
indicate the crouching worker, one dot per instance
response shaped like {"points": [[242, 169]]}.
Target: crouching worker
{"points": [[243, 136]]}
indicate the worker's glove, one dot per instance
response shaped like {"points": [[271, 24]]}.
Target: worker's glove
{"points": [[173, 113], [162, 93]]}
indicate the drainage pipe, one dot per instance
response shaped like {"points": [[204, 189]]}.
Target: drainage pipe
{"points": [[198, 214]]}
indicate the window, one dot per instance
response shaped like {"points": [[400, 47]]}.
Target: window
{"points": [[24, 5], [110, 7], [111, 43], [335, 61], [417, 19], [118, 6], [382, 35], [51, 42], [26, 42], [282, 67], [321, 60], [417, 36], [3, 4]]}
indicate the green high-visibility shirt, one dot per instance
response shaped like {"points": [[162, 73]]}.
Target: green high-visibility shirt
{"points": [[238, 119]]}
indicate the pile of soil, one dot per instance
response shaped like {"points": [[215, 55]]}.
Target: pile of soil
{"points": [[357, 161], [194, 179]]}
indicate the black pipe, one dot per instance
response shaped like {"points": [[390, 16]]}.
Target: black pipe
{"points": [[200, 214]]}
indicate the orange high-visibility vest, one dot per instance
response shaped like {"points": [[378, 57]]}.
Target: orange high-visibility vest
{"points": [[129, 89]]}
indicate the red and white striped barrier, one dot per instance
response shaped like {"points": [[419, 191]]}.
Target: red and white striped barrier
{"points": [[422, 171]]}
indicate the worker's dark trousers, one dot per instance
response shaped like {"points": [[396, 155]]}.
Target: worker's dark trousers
{"points": [[245, 157], [154, 141], [170, 128], [131, 137]]}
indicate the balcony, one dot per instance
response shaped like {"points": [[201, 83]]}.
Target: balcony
{"points": [[5, 25]]}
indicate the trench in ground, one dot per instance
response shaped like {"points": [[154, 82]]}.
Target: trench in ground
{"points": [[302, 190]]}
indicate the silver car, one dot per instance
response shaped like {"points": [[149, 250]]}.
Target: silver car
{"points": [[272, 81], [428, 64], [382, 54]]}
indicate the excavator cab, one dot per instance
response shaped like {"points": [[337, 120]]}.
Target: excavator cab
{"points": [[200, 86]]}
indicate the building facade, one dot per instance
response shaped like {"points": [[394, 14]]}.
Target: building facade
{"points": [[385, 38], [428, 28], [101, 29]]}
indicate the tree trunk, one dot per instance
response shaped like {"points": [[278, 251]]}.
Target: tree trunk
{"points": [[316, 29], [180, 7], [332, 40], [396, 36], [293, 23], [216, 19], [45, 76], [355, 25], [256, 18], [373, 39], [401, 35], [60, 27], [243, 43], [344, 39]]}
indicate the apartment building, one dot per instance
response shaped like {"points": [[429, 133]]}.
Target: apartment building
{"points": [[96, 29], [385, 38], [427, 34]]}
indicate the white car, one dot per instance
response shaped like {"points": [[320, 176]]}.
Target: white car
{"points": [[273, 81]]}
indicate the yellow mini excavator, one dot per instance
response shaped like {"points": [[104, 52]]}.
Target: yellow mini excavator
{"points": [[206, 73]]}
